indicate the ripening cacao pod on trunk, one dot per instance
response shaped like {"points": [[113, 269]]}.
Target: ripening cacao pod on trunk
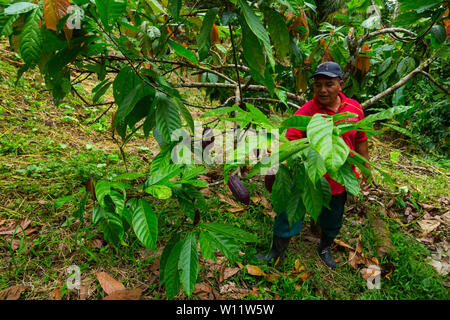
{"points": [[269, 180], [238, 190]]}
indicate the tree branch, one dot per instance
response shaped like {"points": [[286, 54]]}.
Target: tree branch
{"points": [[254, 88], [439, 85], [400, 83]]}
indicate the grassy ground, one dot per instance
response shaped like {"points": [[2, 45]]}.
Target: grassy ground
{"points": [[47, 153]]}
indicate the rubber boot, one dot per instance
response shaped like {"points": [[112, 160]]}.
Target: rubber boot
{"points": [[279, 246], [324, 251]]}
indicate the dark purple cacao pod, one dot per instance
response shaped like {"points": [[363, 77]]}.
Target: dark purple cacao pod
{"points": [[269, 179], [207, 137], [238, 190]]}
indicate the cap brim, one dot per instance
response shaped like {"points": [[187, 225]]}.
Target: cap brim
{"points": [[328, 74]]}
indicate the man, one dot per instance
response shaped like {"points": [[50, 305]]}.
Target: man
{"points": [[328, 99]]}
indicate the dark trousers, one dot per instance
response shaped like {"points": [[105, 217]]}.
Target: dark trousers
{"points": [[330, 221]]}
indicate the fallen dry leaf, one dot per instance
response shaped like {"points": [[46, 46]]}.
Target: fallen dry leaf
{"points": [[86, 288], [12, 293], [255, 271], [96, 243], [271, 277], [343, 244], [133, 294], [109, 284], [306, 275], [56, 294], [229, 272], [206, 292], [428, 226]]}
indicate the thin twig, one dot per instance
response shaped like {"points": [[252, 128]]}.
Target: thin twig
{"points": [[439, 85]]}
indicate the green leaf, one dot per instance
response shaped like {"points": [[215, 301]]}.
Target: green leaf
{"points": [[162, 175], [6, 24], [253, 52], [331, 147], [145, 224], [188, 263], [165, 255], [257, 28], [382, 115], [19, 8], [204, 38], [171, 274], [281, 190], [229, 231], [226, 245], [185, 114], [279, 33], [174, 8], [100, 90], [159, 191], [295, 209], [299, 122], [109, 11], [326, 192], [112, 228], [346, 177], [31, 39], [182, 51], [312, 199], [438, 33], [98, 214], [316, 166], [167, 116], [207, 245]]}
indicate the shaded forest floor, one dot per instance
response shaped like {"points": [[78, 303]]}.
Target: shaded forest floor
{"points": [[49, 153]]}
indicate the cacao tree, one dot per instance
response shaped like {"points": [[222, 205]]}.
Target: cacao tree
{"points": [[253, 59]]}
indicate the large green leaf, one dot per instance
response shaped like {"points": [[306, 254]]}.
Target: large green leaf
{"points": [[281, 190], [204, 37], [182, 51], [257, 28], [145, 224], [159, 191], [167, 116], [331, 147], [174, 8], [253, 52], [171, 274], [279, 33], [229, 231], [228, 246], [112, 228], [6, 24], [31, 39], [19, 8], [312, 199], [207, 245], [346, 177], [295, 209], [109, 11], [165, 255], [297, 121], [315, 165], [188, 263]]}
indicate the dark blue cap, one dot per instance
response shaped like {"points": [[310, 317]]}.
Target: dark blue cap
{"points": [[330, 69]]}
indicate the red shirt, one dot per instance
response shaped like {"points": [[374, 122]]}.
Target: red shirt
{"points": [[351, 138]]}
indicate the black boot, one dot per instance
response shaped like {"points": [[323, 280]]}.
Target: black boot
{"points": [[324, 251], [279, 246]]}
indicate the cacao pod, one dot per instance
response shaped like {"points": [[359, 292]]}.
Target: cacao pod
{"points": [[238, 190], [207, 137], [214, 35], [269, 180]]}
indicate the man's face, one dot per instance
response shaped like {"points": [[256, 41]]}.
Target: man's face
{"points": [[327, 89]]}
